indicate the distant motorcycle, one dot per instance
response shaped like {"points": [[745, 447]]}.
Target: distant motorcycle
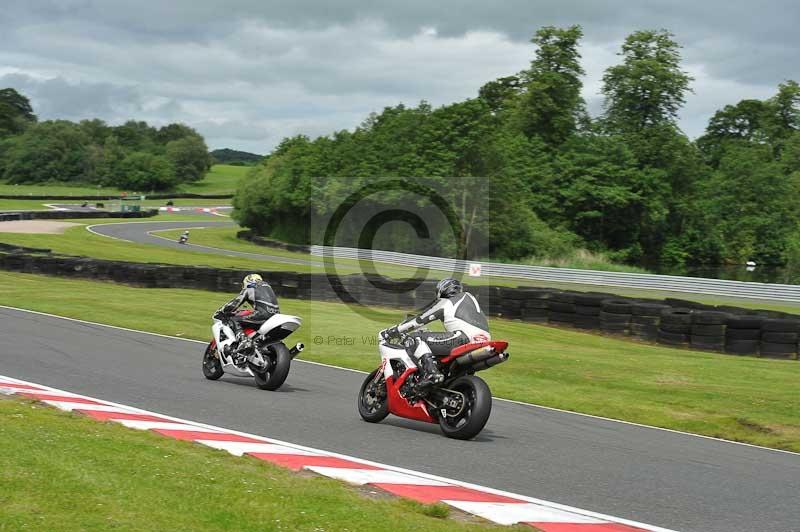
{"points": [[267, 360], [460, 404], [184, 238]]}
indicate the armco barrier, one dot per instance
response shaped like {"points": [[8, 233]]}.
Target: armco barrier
{"points": [[641, 281], [744, 331], [72, 215]]}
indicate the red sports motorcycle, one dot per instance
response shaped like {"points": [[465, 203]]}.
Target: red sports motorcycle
{"points": [[460, 404]]}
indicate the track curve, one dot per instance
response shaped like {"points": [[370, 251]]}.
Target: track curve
{"points": [[139, 232], [663, 478]]}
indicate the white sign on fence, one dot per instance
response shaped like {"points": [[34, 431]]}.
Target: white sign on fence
{"points": [[474, 270]]}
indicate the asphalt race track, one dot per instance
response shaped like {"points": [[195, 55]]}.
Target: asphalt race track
{"points": [[653, 476], [139, 232]]}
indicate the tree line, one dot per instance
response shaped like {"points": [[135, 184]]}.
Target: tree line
{"points": [[132, 156], [628, 183]]}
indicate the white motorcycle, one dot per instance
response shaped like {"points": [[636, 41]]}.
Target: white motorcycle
{"points": [[267, 360]]}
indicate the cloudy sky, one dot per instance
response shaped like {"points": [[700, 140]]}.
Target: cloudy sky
{"points": [[247, 73]]}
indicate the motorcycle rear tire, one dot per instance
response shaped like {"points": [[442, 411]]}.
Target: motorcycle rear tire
{"points": [[372, 416], [212, 367], [479, 396], [273, 379]]}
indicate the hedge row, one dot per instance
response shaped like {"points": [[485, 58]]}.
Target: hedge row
{"points": [[71, 215], [672, 322], [268, 242]]}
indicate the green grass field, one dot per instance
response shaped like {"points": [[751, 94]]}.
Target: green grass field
{"points": [[746, 399], [221, 179], [78, 241], [62, 471]]}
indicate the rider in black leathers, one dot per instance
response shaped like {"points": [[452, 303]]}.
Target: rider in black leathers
{"points": [[260, 296]]}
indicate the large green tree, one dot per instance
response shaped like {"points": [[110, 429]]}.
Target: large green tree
{"points": [[16, 113], [551, 105], [48, 151], [649, 87], [189, 156]]}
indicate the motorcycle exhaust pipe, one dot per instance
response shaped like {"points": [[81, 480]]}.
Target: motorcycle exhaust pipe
{"points": [[489, 362], [476, 356], [296, 350]]}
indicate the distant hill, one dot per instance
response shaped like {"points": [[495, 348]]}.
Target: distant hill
{"points": [[228, 156]]}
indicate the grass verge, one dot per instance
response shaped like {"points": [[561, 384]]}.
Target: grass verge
{"points": [[221, 179], [745, 399], [80, 242], [61, 471]]}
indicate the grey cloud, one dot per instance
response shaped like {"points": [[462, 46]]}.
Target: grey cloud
{"points": [[57, 98], [252, 71]]}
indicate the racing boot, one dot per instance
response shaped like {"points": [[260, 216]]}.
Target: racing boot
{"points": [[430, 372], [242, 347]]}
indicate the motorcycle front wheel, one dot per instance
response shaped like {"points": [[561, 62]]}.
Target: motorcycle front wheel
{"points": [[473, 417], [212, 367], [273, 378], [373, 405]]}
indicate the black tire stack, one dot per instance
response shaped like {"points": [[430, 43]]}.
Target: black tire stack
{"points": [[511, 303], [645, 319], [615, 316], [587, 310], [743, 335], [535, 306], [561, 306], [675, 326], [779, 338], [708, 330]]}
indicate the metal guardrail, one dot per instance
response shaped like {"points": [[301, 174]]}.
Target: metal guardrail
{"points": [[643, 281]]}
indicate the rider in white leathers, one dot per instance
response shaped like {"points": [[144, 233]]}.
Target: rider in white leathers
{"points": [[463, 320]]}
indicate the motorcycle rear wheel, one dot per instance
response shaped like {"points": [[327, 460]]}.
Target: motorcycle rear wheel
{"points": [[276, 376], [476, 411], [375, 410], [212, 367]]}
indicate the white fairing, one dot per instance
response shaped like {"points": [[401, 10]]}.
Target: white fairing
{"points": [[393, 352], [284, 321], [224, 336]]}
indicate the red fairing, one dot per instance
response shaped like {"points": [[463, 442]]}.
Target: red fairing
{"points": [[246, 312], [499, 347], [213, 344], [398, 404]]}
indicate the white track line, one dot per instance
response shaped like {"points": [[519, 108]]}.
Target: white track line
{"points": [[521, 403], [432, 480]]}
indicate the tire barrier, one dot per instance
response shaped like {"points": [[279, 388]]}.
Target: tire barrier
{"points": [[615, 316], [708, 330], [645, 319], [72, 215], [727, 329], [779, 338], [675, 327]]}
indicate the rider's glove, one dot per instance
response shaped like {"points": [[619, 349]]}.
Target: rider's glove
{"points": [[389, 333]]}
